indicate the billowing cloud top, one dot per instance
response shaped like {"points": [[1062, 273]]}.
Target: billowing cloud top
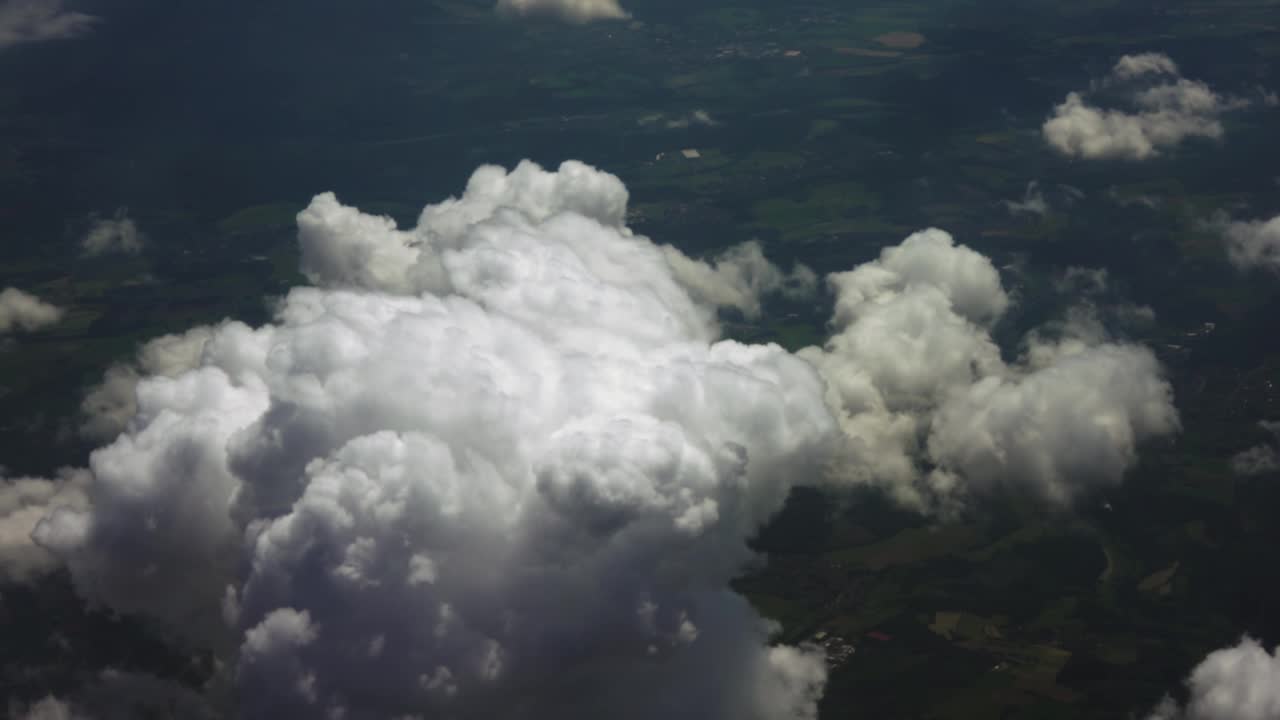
{"points": [[500, 464], [31, 21], [932, 411], [1238, 683], [574, 11], [497, 461], [23, 311], [24, 502], [1159, 109]]}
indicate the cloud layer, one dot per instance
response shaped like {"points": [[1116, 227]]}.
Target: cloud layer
{"points": [[1238, 683], [23, 311], [1153, 109], [574, 11], [32, 21]]}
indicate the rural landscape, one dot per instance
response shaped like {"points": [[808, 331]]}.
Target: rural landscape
{"points": [[822, 131]]}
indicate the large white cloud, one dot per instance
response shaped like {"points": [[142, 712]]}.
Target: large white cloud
{"points": [[574, 11], [31, 21], [934, 413], [1237, 683], [1253, 244], [497, 461], [501, 463], [23, 311], [1157, 110]]}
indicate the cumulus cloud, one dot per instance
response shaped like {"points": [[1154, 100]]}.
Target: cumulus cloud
{"points": [[498, 463], [1152, 109], [32, 21], [573, 11], [501, 463], [108, 407], [1238, 683], [24, 502], [23, 311], [935, 414], [1252, 244], [1260, 459], [117, 234], [1135, 66]]}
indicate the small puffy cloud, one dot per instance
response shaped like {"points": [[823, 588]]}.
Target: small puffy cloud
{"points": [[1033, 202], [1252, 244], [1133, 66], [24, 502], [739, 278], [1260, 459], [700, 118], [1237, 683], [22, 311], [33, 21], [1153, 109], [573, 11], [933, 413], [117, 234]]}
